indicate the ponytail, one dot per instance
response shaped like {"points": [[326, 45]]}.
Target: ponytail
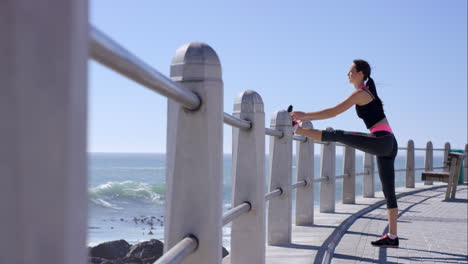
{"points": [[364, 67], [371, 85]]}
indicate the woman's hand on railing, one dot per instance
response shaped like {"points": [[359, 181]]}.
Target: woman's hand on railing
{"points": [[299, 115]]}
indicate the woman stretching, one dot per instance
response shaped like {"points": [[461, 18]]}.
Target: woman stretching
{"points": [[380, 141]]}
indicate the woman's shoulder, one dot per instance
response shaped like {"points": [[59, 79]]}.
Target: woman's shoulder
{"points": [[362, 97]]}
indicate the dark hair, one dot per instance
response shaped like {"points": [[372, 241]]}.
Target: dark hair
{"points": [[364, 67]]}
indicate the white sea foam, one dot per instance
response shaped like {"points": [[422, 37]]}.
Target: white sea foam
{"points": [[105, 194]]}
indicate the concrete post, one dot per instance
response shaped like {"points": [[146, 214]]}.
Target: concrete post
{"points": [[410, 172], [368, 190], [194, 155], [305, 172], [280, 208], [43, 131], [248, 180], [349, 183], [465, 164], [327, 170], [428, 160], [446, 152]]}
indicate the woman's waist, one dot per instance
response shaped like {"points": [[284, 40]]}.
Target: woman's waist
{"points": [[381, 126]]}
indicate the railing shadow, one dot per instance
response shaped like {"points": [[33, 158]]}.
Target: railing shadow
{"points": [[360, 259], [383, 219], [367, 234], [299, 246], [436, 252], [431, 260], [456, 200]]}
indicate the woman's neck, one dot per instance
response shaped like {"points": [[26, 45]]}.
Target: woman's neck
{"points": [[359, 85]]}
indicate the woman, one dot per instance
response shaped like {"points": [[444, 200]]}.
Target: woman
{"points": [[380, 141]]}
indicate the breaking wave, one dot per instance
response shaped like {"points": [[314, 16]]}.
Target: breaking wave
{"points": [[110, 194]]}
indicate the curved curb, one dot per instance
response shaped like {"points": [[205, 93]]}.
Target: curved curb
{"points": [[326, 251]]}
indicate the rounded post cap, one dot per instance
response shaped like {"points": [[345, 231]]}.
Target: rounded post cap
{"points": [[410, 143], [195, 61], [281, 118], [429, 144], [248, 101]]}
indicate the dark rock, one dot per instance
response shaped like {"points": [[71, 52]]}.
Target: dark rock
{"points": [[149, 260], [225, 252], [110, 250], [128, 260], [152, 249], [94, 260]]}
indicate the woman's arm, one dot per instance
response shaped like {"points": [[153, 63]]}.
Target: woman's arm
{"points": [[353, 99]]}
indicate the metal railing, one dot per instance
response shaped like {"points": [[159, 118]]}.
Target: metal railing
{"points": [[274, 133], [109, 53], [342, 176], [236, 212], [275, 193], [321, 179], [177, 253], [299, 184]]}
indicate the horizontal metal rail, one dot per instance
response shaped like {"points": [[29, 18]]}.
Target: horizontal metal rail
{"points": [[299, 138], [237, 122], [342, 176], [273, 194], [421, 149], [321, 179], [274, 133], [417, 169], [321, 142], [439, 168], [108, 52], [363, 173], [236, 212], [179, 251], [299, 184], [401, 170], [340, 145]]}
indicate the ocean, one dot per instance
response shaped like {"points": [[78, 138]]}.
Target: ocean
{"points": [[127, 193]]}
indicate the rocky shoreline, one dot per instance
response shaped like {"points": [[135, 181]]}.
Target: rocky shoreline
{"points": [[121, 252]]}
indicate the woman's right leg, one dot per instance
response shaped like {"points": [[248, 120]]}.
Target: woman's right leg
{"points": [[369, 143], [387, 178]]}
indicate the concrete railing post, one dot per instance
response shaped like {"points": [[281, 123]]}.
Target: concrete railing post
{"points": [[349, 182], [43, 131], [410, 172], [368, 189], [194, 155], [428, 160], [305, 172], [446, 152], [327, 170], [248, 180], [280, 208], [465, 164]]}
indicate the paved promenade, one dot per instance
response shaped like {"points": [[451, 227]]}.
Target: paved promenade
{"points": [[431, 231]]}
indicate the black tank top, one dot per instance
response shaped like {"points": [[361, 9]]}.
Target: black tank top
{"points": [[372, 112]]}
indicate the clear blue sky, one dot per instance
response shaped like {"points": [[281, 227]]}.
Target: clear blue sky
{"points": [[290, 52]]}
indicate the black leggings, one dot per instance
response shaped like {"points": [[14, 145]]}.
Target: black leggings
{"points": [[382, 144]]}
